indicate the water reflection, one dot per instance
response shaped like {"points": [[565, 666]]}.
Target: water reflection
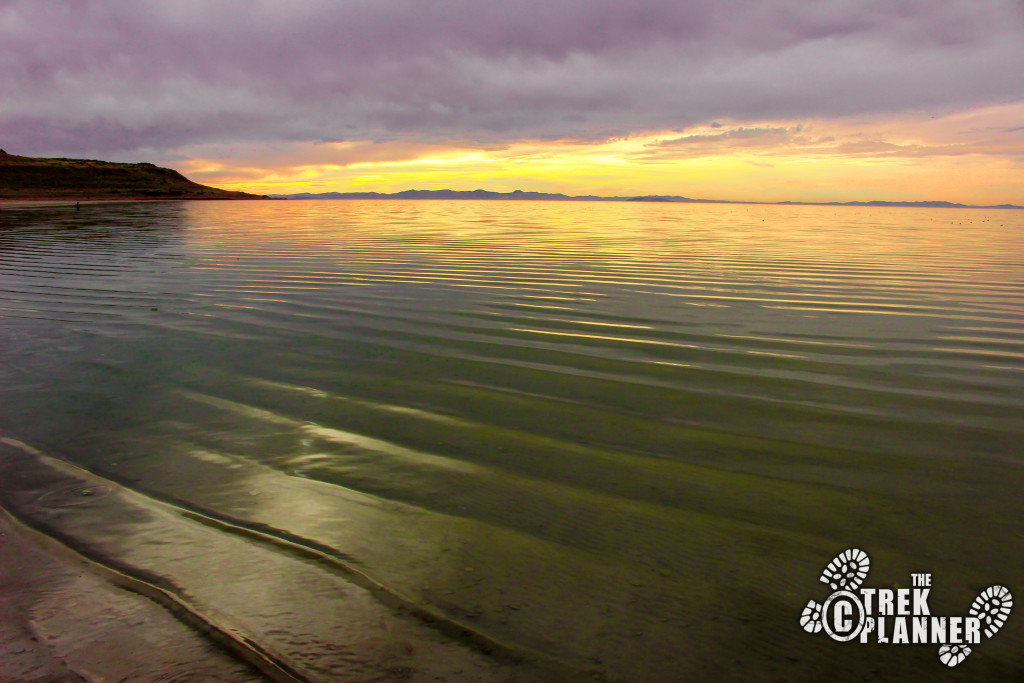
{"points": [[623, 438]]}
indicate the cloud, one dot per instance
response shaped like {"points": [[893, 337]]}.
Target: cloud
{"points": [[112, 78], [743, 136], [739, 139], [982, 131]]}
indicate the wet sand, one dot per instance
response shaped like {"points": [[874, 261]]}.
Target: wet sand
{"points": [[85, 609], [61, 622]]}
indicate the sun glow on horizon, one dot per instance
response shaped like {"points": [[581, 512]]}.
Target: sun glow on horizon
{"points": [[974, 157]]}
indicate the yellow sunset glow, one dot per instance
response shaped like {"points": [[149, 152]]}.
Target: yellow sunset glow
{"points": [[960, 157]]}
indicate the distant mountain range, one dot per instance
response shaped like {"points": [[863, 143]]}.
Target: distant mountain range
{"points": [[519, 194]]}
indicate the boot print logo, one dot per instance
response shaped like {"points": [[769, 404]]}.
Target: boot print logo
{"points": [[900, 616]]}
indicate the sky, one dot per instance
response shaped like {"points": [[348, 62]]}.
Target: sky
{"points": [[752, 100]]}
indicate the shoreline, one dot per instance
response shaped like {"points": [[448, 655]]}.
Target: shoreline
{"points": [[78, 610], [59, 621]]}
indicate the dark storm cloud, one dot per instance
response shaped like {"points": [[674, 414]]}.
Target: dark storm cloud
{"points": [[110, 77]]}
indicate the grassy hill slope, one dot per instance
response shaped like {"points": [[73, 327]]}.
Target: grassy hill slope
{"points": [[39, 178]]}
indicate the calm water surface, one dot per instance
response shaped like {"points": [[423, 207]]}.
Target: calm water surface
{"points": [[467, 440]]}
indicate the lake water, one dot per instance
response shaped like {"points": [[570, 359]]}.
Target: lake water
{"points": [[458, 440]]}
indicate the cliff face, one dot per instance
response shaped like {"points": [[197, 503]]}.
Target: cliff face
{"points": [[38, 178]]}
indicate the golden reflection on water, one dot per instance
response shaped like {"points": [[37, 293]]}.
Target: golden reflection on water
{"points": [[556, 425]]}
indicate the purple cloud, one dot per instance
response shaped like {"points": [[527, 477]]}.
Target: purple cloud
{"points": [[114, 78]]}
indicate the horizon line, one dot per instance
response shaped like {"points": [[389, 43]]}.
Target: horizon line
{"points": [[518, 195]]}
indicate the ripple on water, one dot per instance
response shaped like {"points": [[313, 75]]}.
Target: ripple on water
{"points": [[618, 437]]}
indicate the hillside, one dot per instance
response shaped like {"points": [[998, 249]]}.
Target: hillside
{"points": [[81, 179]]}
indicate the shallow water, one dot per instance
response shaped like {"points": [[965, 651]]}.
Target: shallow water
{"points": [[619, 438]]}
